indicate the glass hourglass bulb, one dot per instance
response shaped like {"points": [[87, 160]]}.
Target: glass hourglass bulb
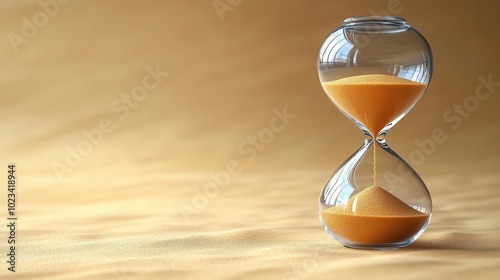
{"points": [[375, 69]]}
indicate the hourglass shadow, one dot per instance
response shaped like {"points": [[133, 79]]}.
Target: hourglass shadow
{"points": [[459, 241]]}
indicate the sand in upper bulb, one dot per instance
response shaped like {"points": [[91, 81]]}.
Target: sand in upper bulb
{"points": [[374, 100]]}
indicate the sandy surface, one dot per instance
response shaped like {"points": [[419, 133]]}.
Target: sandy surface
{"points": [[141, 202]]}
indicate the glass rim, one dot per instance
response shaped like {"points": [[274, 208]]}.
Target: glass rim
{"points": [[374, 19]]}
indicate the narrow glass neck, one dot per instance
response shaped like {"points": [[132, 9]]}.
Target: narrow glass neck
{"points": [[380, 138]]}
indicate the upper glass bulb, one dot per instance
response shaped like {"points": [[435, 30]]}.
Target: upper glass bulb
{"points": [[380, 54]]}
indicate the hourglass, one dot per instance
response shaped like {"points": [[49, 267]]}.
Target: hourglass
{"points": [[375, 69]]}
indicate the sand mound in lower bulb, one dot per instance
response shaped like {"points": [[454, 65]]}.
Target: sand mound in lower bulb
{"points": [[373, 216]]}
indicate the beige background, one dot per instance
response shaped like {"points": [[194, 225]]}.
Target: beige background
{"points": [[117, 214]]}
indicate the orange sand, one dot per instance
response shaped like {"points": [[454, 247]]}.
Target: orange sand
{"points": [[374, 100], [373, 216]]}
